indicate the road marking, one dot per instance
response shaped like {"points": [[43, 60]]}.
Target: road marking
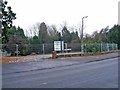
{"points": [[97, 57], [44, 83]]}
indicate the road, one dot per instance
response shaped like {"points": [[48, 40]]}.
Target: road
{"points": [[100, 74]]}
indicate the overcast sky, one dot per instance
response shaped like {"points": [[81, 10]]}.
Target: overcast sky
{"points": [[101, 13]]}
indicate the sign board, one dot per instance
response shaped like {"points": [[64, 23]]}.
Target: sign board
{"points": [[58, 45]]}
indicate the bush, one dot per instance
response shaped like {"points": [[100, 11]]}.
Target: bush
{"points": [[25, 52], [92, 48]]}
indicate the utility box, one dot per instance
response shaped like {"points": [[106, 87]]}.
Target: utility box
{"points": [[54, 54]]}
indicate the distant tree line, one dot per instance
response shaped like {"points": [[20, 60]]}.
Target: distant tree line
{"points": [[48, 34]]}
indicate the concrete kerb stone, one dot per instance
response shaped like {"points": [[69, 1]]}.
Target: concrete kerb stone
{"points": [[102, 59]]}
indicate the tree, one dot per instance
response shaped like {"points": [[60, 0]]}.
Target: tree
{"points": [[43, 34], [88, 38], [113, 35], [7, 19], [102, 34], [74, 37], [16, 36], [53, 34], [35, 40], [98, 37], [66, 36]]}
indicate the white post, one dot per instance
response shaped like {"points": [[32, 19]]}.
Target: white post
{"points": [[107, 47], [101, 46], [62, 46], [116, 45], [82, 48], [43, 48], [17, 50], [112, 46], [66, 47], [85, 48]]}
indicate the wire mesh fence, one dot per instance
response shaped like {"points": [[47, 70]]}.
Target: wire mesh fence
{"points": [[27, 49]]}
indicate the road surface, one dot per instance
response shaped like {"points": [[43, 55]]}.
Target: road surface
{"points": [[100, 74]]}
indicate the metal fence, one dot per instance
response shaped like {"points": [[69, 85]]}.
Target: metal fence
{"points": [[93, 47], [26, 49]]}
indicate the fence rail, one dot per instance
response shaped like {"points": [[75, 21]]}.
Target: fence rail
{"points": [[26, 49]]}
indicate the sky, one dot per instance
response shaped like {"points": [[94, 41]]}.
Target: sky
{"points": [[101, 13]]}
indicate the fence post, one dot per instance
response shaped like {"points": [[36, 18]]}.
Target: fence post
{"points": [[66, 47], [112, 46], [116, 46], [43, 45], [17, 50], [85, 48], [82, 48], [107, 47], [101, 46]]}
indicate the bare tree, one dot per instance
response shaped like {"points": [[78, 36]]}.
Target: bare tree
{"points": [[36, 29]]}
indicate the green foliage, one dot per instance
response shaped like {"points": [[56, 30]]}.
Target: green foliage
{"points": [[25, 51], [35, 40], [54, 35], [98, 36], [114, 35], [7, 19], [74, 37], [66, 36], [43, 34], [16, 36], [92, 47]]}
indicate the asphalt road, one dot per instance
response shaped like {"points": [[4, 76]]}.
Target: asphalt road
{"points": [[100, 74]]}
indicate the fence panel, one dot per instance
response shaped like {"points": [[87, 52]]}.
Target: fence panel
{"points": [[27, 49], [75, 47], [48, 48]]}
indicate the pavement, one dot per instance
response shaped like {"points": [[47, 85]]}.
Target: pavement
{"points": [[102, 74], [40, 64]]}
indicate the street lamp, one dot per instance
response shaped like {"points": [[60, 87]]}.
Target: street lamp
{"points": [[82, 33]]}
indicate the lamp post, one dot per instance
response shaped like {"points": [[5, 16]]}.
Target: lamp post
{"points": [[82, 33]]}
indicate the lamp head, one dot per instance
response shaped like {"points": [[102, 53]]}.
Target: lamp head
{"points": [[85, 16]]}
